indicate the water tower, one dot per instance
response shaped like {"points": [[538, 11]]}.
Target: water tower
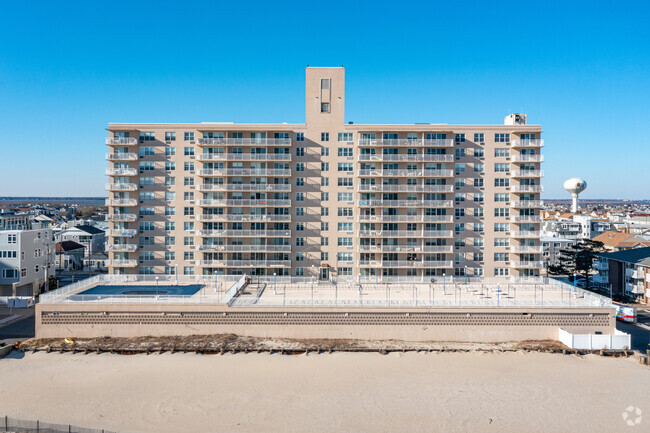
{"points": [[575, 186]]}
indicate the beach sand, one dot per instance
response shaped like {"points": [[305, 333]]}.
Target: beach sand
{"points": [[339, 392]]}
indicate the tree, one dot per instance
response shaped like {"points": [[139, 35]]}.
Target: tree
{"points": [[578, 259]]}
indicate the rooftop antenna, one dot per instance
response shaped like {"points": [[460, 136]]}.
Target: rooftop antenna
{"points": [[575, 186]]}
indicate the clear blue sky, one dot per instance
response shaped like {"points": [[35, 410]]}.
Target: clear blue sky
{"points": [[580, 69]]}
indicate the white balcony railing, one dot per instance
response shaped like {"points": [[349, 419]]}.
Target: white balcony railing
{"points": [[405, 173], [125, 233], [121, 202], [121, 247], [121, 141], [406, 218], [527, 173], [527, 264], [405, 157], [121, 172], [406, 203], [121, 217], [527, 143], [244, 142], [527, 158], [526, 218], [244, 248], [244, 187], [243, 157], [527, 188], [406, 188], [246, 233], [406, 264], [406, 233], [244, 218], [246, 263], [410, 142], [121, 187], [123, 263], [525, 234], [527, 204], [122, 156], [261, 172], [406, 248], [536, 249], [245, 202]]}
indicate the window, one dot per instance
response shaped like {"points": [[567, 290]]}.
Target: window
{"points": [[479, 138], [188, 241], [324, 242], [170, 151], [324, 136], [147, 166], [300, 242], [300, 196], [501, 272], [146, 196], [188, 151], [189, 136], [170, 166], [502, 182], [479, 197], [346, 151], [344, 257], [146, 181], [145, 256], [188, 211], [324, 166], [170, 181], [344, 242], [460, 138], [324, 211], [325, 83], [459, 227], [300, 211], [325, 107], [460, 153], [501, 242], [300, 166], [345, 196], [479, 153], [324, 256], [300, 227], [300, 256], [146, 226], [300, 151], [300, 136], [147, 136], [344, 271], [345, 211], [146, 241], [188, 270], [459, 197], [501, 167], [478, 182], [345, 166], [300, 181], [345, 137], [501, 212], [170, 136], [324, 226], [188, 226], [502, 138], [345, 227], [501, 227], [345, 181], [479, 228], [459, 212], [146, 211], [501, 197], [188, 181], [501, 257], [147, 151], [479, 168], [188, 166], [170, 226], [300, 272], [324, 196], [324, 151], [324, 181], [502, 152], [460, 167]]}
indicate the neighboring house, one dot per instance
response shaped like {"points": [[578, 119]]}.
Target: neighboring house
{"points": [[26, 257], [69, 255], [627, 272], [89, 236], [551, 248], [97, 261], [615, 241]]}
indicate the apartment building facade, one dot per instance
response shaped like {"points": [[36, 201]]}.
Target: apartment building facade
{"points": [[26, 259], [327, 199]]}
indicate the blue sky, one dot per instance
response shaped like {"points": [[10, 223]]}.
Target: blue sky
{"points": [[580, 69]]}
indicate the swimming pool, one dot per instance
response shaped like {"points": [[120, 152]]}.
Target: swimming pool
{"points": [[137, 290]]}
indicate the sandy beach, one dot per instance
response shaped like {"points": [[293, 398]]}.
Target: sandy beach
{"points": [[414, 392]]}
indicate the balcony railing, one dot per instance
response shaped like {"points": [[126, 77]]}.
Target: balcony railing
{"points": [[123, 263], [121, 202], [245, 187], [406, 248], [245, 203], [263, 172], [406, 233], [405, 157], [244, 248], [243, 157], [406, 264], [121, 217], [527, 188], [526, 218], [405, 173], [406, 218], [246, 233], [122, 156], [124, 233], [244, 142], [245, 217], [525, 234], [528, 143], [121, 141], [406, 203], [526, 204], [121, 172], [537, 249], [527, 264], [121, 187], [411, 142], [527, 173], [406, 188], [527, 158], [121, 247], [601, 265], [246, 263]]}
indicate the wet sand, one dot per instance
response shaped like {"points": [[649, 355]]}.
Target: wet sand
{"points": [[410, 392]]}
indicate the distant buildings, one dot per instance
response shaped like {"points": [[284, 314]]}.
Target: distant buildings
{"points": [[616, 241], [92, 238], [26, 261], [627, 272]]}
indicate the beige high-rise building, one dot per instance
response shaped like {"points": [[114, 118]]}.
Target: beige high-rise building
{"points": [[325, 198]]}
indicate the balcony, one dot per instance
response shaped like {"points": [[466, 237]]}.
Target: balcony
{"points": [[634, 289], [121, 202], [121, 141], [537, 249], [268, 187], [245, 217], [263, 172], [405, 157], [406, 248], [527, 264], [121, 217], [406, 233], [244, 142], [526, 218], [121, 247], [634, 273], [123, 263], [600, 279], [121, 172], [526, 234], [527, 173], [527, 204], [405, 188], [406, 218], [246, 233], [406, 203], [246, 263], [405, 264], [243, 157], [527, 188], [246, 203], [527, 143], [527, 158], [405, 173], [121, 187], [409, 142], [601, 265], [123, 233], [244, 248], [122, 156]]}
